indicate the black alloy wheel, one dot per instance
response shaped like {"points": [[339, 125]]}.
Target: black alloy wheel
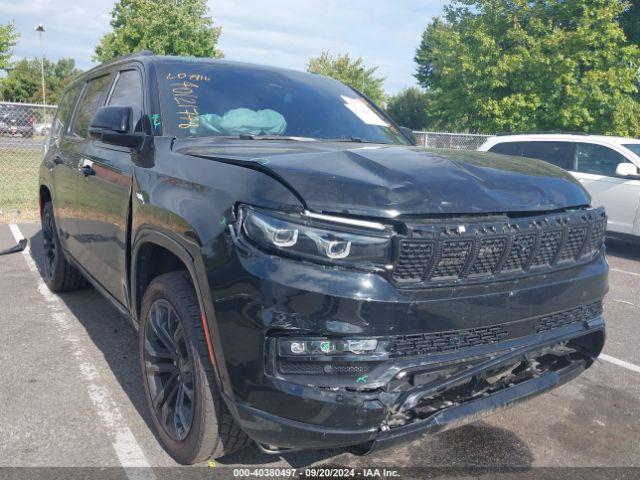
{"points": [[50, 245], [188, 411], [57, 272], [169, 369]]}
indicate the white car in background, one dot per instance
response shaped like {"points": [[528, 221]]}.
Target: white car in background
{"points": [[42, 128], [608, 167]]}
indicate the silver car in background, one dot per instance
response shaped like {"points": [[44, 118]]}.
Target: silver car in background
{"points": [[608, 167]]}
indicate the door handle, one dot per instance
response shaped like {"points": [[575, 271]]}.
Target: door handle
{"points": [[87, 170]]}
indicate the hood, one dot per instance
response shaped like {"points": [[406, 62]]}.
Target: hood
{"points": [[389, 181]]}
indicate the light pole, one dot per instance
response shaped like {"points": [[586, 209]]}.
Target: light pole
{"points": [[40, 30]]}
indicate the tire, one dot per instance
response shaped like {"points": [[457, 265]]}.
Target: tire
{"points": [[58, 273], [190, 417]]}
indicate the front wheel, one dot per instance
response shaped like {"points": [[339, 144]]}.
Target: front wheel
{"points": [[187, 409]]}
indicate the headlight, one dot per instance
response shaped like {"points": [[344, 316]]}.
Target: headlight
{"points": [[320, 241]]}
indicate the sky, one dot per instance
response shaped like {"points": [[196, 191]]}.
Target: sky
{"points": [[283, 33]]}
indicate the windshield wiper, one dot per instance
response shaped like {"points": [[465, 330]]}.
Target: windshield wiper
{"points": [[247, 136], [348, 139], [355, 140]]}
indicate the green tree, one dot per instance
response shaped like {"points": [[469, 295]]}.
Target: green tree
{"points": [[517, 65], [630, 21], [166, 27], [24, 81], [410, 108], [350, 71], [8, 37]]}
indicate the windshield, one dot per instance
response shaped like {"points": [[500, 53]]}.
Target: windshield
{"points": [[223, 99], [634, 147]]}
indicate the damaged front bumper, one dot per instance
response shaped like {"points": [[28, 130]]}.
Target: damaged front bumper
{"points": [[423, 359], [433, 394]]}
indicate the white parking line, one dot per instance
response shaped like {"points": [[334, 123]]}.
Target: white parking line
{"points": [[624, 302], [619, 270], [620, 363], [129, 453]]}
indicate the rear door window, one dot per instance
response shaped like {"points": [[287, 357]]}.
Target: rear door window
{"points": [[598, 159], [508, 148], [559, 154], [63, 114], [92, 99]]}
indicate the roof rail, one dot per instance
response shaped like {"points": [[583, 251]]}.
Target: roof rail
{"points": [[139, 53], [542, 132]]}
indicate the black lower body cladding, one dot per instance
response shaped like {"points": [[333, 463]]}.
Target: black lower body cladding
{"points": [[445, 355]]}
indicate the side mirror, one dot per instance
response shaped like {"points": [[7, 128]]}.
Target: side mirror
{"points": [[626, 170], [113, 125]]}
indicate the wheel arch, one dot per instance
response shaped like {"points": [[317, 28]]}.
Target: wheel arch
{"points": [[174, 256], [44, 196], [148, 242]]}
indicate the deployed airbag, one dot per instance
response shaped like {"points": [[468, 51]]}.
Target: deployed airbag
{"points": [[243, 121]]}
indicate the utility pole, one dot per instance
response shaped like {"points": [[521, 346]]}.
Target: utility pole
{"points": [[40, 30]]}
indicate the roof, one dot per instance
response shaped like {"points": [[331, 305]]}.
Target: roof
{"points": [[146, 56]]}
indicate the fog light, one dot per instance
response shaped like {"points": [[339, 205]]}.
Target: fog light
{"points": [[298, 348], [326, 346], [329, 347], [362, 346]]}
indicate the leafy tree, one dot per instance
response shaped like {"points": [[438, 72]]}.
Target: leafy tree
{"points": [[350, 71], [166, 27], [410, 108], [24, 82], [8, 37], [630, 21], [517, 65]]}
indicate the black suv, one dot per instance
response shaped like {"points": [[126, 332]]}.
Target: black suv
{"points": [[300, 274]]}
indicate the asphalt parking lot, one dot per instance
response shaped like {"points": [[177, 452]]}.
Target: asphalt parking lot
{"points": [[71, 396]]}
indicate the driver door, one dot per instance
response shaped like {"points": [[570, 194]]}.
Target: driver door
{"points": [[104, 185]]}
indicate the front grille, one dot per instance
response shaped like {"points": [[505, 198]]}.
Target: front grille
{"points": [[323, 368], [575, 240], [453, 258], [413, 258], [427, 343], [451, 251], [549, 246], [489, 255], [578, 314], [401, 346], [596, 236], [520, 253]]}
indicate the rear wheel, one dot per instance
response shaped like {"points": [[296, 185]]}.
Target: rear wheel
{"points": [[58, 273], [187, 409]]}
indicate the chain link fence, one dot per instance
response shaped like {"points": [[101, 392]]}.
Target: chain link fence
{"points": [[455, 141], [23, 128]]}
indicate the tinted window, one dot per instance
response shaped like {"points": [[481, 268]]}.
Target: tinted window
{"points": [[559, 154], [63, 114], [127, 92], [221, 99], [597, 159], [634, 147], [89, 104], [508, 148]]}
